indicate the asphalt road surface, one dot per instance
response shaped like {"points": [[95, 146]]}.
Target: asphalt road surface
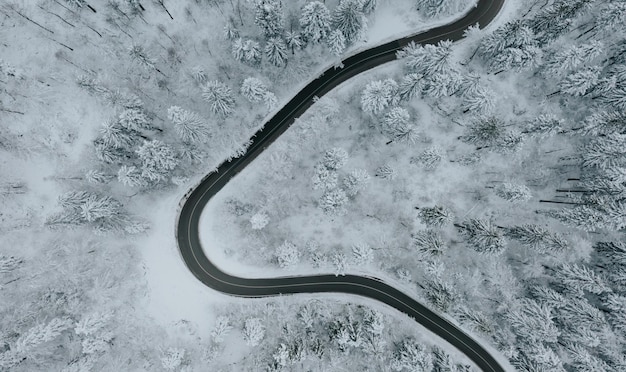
{"points": [[188, 224]]}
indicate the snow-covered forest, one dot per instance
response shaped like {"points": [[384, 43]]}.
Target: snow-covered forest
{"points": [[485, 178]]}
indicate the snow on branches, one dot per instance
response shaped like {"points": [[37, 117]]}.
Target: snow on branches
{"points": [[483, 236], [220, 98]]}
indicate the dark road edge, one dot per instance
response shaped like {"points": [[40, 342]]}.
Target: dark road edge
{"points": [[188, 221]]}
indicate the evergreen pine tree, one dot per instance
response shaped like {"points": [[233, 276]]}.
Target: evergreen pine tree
{"points": [[348, 17], [276, 51], [315, 22], [220, 98]]}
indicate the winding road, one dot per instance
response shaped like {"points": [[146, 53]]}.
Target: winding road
{"points": [[188, 223]]}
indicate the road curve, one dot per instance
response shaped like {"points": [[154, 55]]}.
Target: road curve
{"points": [[188, 223]]}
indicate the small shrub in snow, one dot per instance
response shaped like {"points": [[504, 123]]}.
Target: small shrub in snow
{"points": [[436, 216], [333, 202], [253, 331], [355, 181], [288, 255], [259, 220], [335, 158], [363, 253], [430, 158], [222, 329], [324, 179], [173, 358], [513, 193], [386, 172]]}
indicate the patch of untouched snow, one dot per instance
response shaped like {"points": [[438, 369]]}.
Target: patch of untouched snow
{"points": [[173, 293]]}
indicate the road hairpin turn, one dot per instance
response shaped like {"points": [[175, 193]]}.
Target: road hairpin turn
{"points": [[188, 223]]}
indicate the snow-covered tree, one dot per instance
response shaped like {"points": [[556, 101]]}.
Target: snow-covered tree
{"points": [[386, 172], [441, 294], [580, 82], [157, 160], [603, 123], [510, 142], [430, 158], [91, 324], [410, 355], [221, 329], [97, 177], [547, 296], [9, 263], [188, 125], [605, 152], [129, 175], [270, 101], [615, 98], [230, 30], [220, 98], [436, 8], [41, 333], [572, 57], [276, 51], [259, 220], [537, 357], [293, 40], [617, 306], [355, 181], [378, 95], [269, 17], [583, 360], [139, 55], [397, 125], [288, 255], [436, 216], [484, 131], [114, 134], [411, 86], [253, 331], [429, 242], [533, 322], [340, 263], [428, 59], [80, 207], [578, 312], [324, 178], [543, 126], [483, 236], [336, 42], [581, 278], [368, 6], [475, 319], [281, 356], [333, 202], [253, 89], [248, 51], [134, 119], [173, 358], [315, 22], [480, 100], [513, 45], [363, 253], [348, 17], [538, 238], [513, 192], [335, 158]]}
